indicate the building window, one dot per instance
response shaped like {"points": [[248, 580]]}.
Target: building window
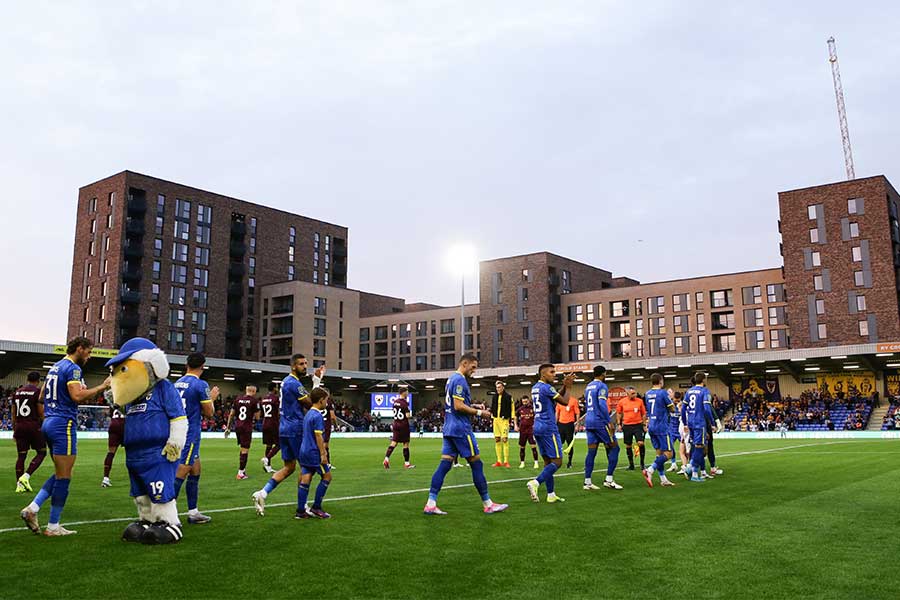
{"points": [[778, 338], [157, 248], [681, 324], [777, 315], [864, 328], [775, 292], [160, 204], [820, 307], [753, 317], [818, 283], [721, 298], [198, 342], [823, 331], [201, 277], [639, 348], [182, 209], [816, 259], [252, 269], [681, 302], [158, 229], [682, 345], [576, 353], [182, 230], [658, 326], [755, 340], [811, 211], [176, 340], [861, 303], [319, 327], [618, 309], [854, 230], [701, 343], [814, 235], [576, 312], [109, 221], [103, 289], [176, 317], [525, 275], [752, 294], [315, 277], [318, 347], [723, 320], [198, 320], [154, 292], [447, 326], [593, 311], [92, 206], [201, 256], [381, 332], [656, 305], [200, 298], [851, 206], [157, 266], [859, 278], [448, 344], [724, 343], [856, 252], [701, 322], [319, 306], [639, 327], [179, 252], [576, 333], [698, 299], [566, 284], [177, 295], [657, 346], [291, 273]]}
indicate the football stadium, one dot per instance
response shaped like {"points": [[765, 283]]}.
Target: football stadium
{"points": [[225, 416]]}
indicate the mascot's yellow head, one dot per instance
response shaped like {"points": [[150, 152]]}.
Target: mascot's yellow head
{"points": [[136, 369]]}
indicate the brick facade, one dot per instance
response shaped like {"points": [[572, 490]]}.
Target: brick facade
{"points": [[873, 230], [129, 299]]}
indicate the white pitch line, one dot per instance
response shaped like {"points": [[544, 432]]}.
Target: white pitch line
{"points": [[419, 490]]}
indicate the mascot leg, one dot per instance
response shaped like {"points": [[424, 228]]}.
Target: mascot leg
{"points": [[166, 528], [135, 530]]}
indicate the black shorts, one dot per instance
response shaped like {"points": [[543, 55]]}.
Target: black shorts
{"points": [[116, 432], [28, 435], [270, 436], [633, 432], [244, 438], [566, 431]]}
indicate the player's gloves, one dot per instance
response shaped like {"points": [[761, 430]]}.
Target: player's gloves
{"points": [[719, 427], [227, 432]]}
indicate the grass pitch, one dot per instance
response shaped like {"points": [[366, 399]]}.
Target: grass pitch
{"points": [[789, 519]]}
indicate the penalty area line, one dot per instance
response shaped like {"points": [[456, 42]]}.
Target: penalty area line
{"points": [[417, 490]]}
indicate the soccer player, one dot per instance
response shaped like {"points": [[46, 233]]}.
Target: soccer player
{"points": [[114, 434], [697, 412], [502, 409], [27, 414], [459, 439], [244, 413], [399, 431], [293, 403], [198, 400], [661, 407], [268, 407], [313, 458], [525, 425], [599, 430], [63, 391], [546, 432], [631, 414], [330, 422], [710, 449], [565, 420], [675, 434]]}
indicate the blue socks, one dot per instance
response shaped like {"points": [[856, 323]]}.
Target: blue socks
{"points": [[302, 495], [589, 463], [45, 491], [320, 493], [437, 480], [193, 490], [58, 500], [178, 483], [271, 485], [660, 463], [479, 480], [546, 477], [697, 460], [612, 457]]}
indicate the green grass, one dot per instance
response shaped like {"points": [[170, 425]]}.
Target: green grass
{"points": [[816, 520]]}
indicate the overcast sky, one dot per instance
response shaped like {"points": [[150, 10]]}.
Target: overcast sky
{"points": [[577, 128]]}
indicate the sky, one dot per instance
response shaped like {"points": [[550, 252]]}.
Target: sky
{"points": [[649, 139]]}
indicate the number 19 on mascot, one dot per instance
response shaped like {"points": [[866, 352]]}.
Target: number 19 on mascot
{"points": [[155, 432]]}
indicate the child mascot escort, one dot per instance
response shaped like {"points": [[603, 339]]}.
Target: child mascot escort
{"points": [[155, 432]]}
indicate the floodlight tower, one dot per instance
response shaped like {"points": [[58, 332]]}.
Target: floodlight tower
{"points": [[842, 110]]}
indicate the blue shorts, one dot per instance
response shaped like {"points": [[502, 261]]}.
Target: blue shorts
{"points": [[549, 445], [290, 447], [465, 446], [61, 434], [314, 470], [662, 441], [598, 437], [190, 453], [698, 436], [156, 480]]}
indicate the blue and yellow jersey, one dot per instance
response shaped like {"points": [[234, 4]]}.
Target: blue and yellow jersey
{"points": [[313, 423], [456, 424], [57, 401], [291, 411], [698, 407], [658, 404], [543, 398], [194, 392], [596, 406]]}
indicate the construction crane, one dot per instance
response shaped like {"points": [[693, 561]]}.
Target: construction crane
{"points": [[842, 110]]}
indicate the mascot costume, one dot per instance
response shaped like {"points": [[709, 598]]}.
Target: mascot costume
{"points": [[155, 432]]}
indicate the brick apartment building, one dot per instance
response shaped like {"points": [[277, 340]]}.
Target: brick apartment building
{"points": [[183, 266], [841, 249], [243, 281]]}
